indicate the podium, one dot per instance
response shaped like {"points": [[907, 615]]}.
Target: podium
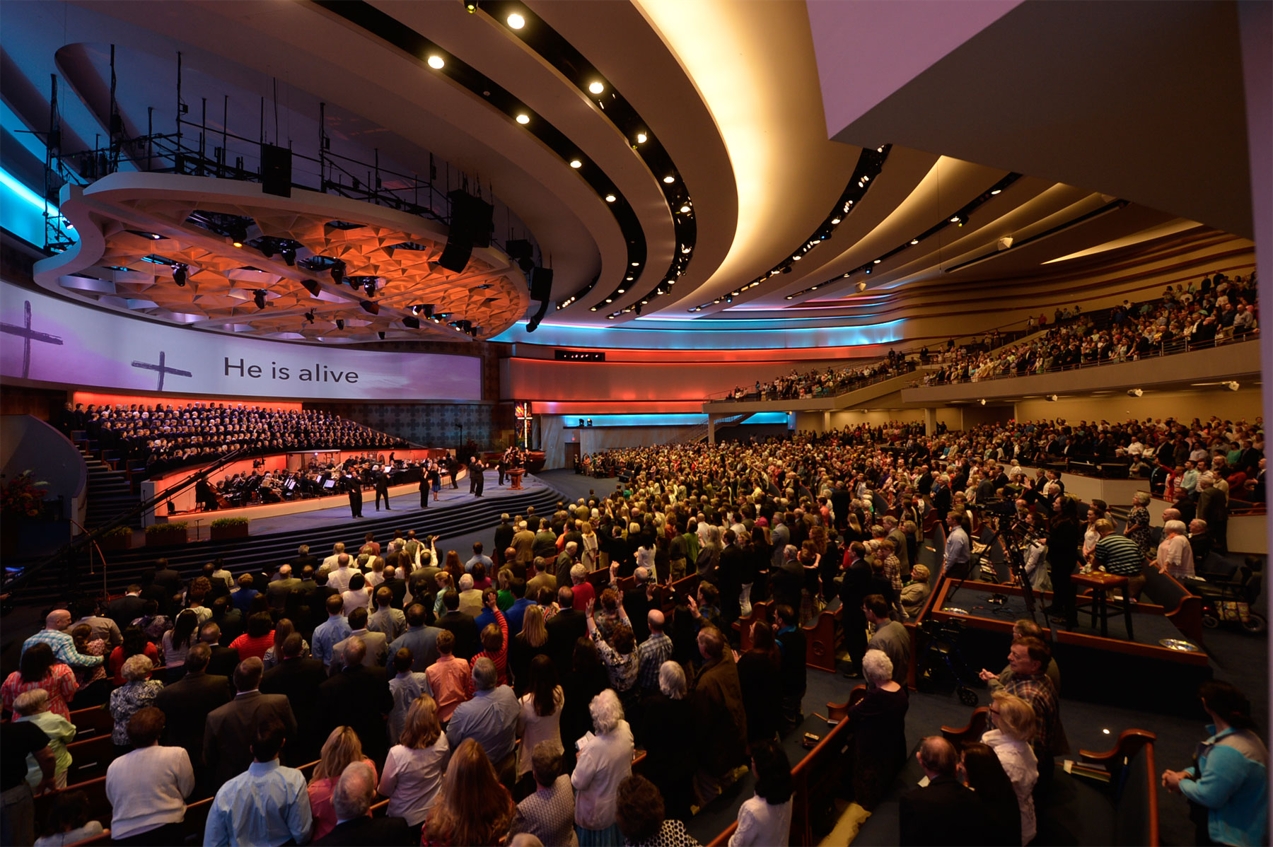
{"points": [[515, 478]]}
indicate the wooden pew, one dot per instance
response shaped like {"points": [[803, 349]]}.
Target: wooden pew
{"points": [[977, 724], [196, 820], [91, 722], [99, 808], [760, 611], [104, 838], [820, 641], [89, 759]]}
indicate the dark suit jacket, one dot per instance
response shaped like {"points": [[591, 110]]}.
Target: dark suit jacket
{"points": [[223, 662], [565, 628], [637, 606], [124, 610], [231, 729], [279, 589], [186, 705], [385, 831], [945, 812], [169, 579], [464, 628], [358, 697], [298, 680]]}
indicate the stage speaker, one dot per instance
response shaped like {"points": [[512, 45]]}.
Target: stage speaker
{"points": [[541, 283], [472, 219], [521, 251], [276, 170], [455, 256]]}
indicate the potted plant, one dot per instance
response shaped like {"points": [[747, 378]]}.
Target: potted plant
{"points": [[165, 534], [224, 528], [21, 499], [119, 538]]}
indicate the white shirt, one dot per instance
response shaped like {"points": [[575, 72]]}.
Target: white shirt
{"points": [[412, 778], [147, 789], [535, 728], [1021, 766], [762, 825], [604, 762]]}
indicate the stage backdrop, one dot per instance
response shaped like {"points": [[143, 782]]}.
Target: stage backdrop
{"points": [[47, 340]]}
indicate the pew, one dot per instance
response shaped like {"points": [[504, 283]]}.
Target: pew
{"points": [[104, 838], [196, 820], [91, 722], [820, 640], [89, 758], [99, 808], [760, 611], [974, 729], [1181, 606]]}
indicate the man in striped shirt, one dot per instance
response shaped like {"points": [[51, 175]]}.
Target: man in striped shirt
{"points": [[1119, 555], [652, 653]]}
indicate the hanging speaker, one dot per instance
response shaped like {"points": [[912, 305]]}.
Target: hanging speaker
{"points": [[455, 256], [472, 218], [276, 170], [541, 283]]}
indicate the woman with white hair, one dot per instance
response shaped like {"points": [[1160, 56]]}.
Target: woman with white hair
{"points": [[137, 692], [605, 760], [33, 707], [1012, 722], [1175, 556], [1137, 528], [666, 731], [879, 730]]}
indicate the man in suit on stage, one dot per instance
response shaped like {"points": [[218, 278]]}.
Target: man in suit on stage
{"points": [[381, 482], [354, 485]]}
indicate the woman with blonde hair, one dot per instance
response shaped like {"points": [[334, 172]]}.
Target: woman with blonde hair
{"points": [[137, 692], [473, 809], [591, 545], [414, 767], [1013, 725], [341, 749]]}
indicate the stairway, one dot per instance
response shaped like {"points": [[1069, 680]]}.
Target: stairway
{"points": [[269, 551], [109, 493]]}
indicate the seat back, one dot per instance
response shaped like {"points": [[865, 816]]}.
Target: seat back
{"points": [[89, 758]]}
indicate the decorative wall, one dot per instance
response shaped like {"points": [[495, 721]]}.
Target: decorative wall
{"points": [[488, 426]]}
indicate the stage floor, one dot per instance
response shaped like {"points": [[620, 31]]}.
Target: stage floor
{"points": [[337, 510]]}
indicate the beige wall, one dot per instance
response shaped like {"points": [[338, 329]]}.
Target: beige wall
{"points": [[1201, 403]]}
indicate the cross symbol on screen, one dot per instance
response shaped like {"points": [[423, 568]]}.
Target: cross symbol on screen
{"points": [[28, 335], [162, 368]]}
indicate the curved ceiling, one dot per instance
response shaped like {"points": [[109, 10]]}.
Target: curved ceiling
{"points": [[730, 92]]}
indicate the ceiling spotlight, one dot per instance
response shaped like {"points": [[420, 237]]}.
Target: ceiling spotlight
{"points": [[338, 273], [576, 163], [996, 191], [685, 209], [309, 316], [868, 270], [471, 5], [982, 401], [340, 323], [596, 86], [523, 118], [628, 278], [258, 297], [914, 241], [237, 242], [1052, 398], [955, 219], [179, 275], [381, 333], [877, 261], [369, 286], [669, 179], [436, 62], [267, 247], [622, 290], [636, 264], [516, 21], [861, 286], [289, 255], [610, 198], [1232, 385], [835, 221], [1135, 392], [641, 136]]}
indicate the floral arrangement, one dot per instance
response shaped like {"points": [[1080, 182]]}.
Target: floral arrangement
{"points": [[164, 528], [219, 522], [22, 495]]}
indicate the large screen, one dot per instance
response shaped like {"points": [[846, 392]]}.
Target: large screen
{"points": [[49, 340]]}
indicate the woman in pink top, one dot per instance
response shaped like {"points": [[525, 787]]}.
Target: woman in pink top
{"points": [[341, 749], [38, 669]]}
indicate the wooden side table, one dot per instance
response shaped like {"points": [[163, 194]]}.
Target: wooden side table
{"points": [[1101, 584]]}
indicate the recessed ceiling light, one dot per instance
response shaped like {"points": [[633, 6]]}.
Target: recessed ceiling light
{"points": [[685, 209], [914, 241], [436, 62], [238, 243], [523, 119], [610, 198], [636, 264], [576, 163], [955, 219], [628, 278], [877, 261], [996, 191], [622, 290], [641, 138], [835, 220], [516, 21], [669, 179], [596, 86]]}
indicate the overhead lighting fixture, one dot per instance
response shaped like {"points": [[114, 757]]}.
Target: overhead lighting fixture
{"points": [[523, 118], [996, 191], [338, 273], [1135, 392], [237, 242], [914, 241], [861, 286], [309, 316], [471, 5], [179, 275], [685, 209], [1052, 398], [636, 264], [576, 163], [381, 333], [669, 179], [340, 324], [258, 297], [369, 286], [955, 219], [982, 401], [436, 62], [289, 255], [596, 87], [610, 198], [1232, 385], [516, 21], [641, 136], [877, 261], [411, 323], [835, 221]]}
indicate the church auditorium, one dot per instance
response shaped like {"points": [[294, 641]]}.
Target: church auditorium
{"points": [[647, 422]]}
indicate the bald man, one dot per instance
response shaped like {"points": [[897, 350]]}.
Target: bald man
{"points": [[352, 798], [54, 634], [637, 600], [652, 653]]}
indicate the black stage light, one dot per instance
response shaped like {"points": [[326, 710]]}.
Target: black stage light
{"points": [[411, 323], [267, 246], [259, 297], [338, 273], [309, 316], [369, 286], [340, 323], [381, 334], [289, 255], [311, 286], [370, 306], [179, 275]]}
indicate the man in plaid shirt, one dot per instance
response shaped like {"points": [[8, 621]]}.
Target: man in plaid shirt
{"points": [[62, 643], [1028, 660], [652, 653]]}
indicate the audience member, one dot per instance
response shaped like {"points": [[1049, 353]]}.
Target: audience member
{"points": [[548, 813], [765, 819], [147, 787], [879, 731], [490, 718], [415, 764], [39, 669], [944, 812], [604, 761], [354, 793], [33, 707], [341, 749], [360, 696], [639, 817], [1012, 722], [473, 809], [266, 805], [228, 737], [984, 773]]}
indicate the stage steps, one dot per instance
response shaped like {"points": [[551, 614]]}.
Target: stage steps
{"points": [[270, 550], [109, 493]]}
